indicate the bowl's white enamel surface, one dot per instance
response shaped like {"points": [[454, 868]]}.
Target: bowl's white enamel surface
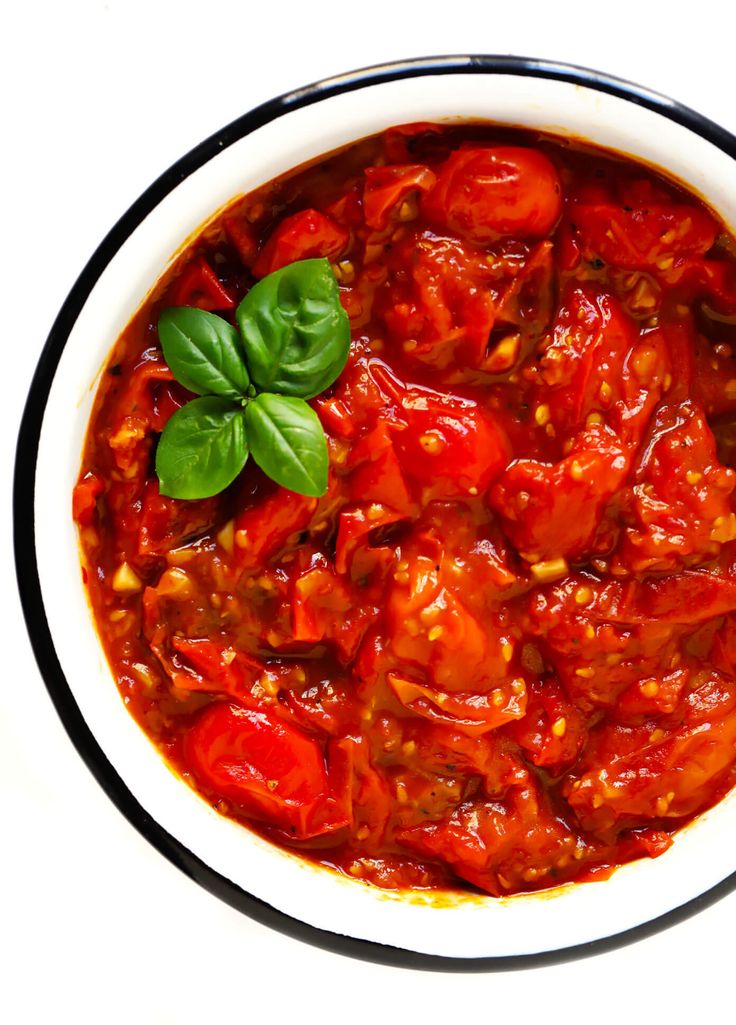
{"points": [[702, 855]]}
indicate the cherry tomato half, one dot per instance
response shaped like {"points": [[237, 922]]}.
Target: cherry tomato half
{"points": [[503, 190]]}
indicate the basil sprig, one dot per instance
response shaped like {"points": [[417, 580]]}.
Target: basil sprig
{"points": [[293, 343]]}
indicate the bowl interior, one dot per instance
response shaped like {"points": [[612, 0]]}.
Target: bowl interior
{"points": [[465, 926]]}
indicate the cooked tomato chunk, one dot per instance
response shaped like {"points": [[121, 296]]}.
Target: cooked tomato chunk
{"points": [[501, 846], [641, 227], [386, 187], [585, 368], [653, 773], [84, 499], [438, 300], [450, 442], [681, 510], [166, 523], [300, 237], [558, 511], [271, 770], [503, 190], [199, 286]]}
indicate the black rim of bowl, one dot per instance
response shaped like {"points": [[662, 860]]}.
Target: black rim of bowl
{"points": [[24, 512]]}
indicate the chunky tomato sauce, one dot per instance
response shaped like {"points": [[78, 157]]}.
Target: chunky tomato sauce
{"points": [[500, 653]]}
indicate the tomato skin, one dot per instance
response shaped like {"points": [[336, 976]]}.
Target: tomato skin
{"points": [[199, 286], [243, 238], [84, 498], [668, 777], [261, 530], [438, 296], [503, 190], [168, 397], [644, 236], [366, 792], [449, 443], [378, 476], [584, 368], [347, 209], [355, 529], [692, 596], [210, 667], [166, 523], [445, 442], [424, 599], [569, 252], [469, 713], [324, 607], [525, 301], [134, 416], [302, 236], [138, 399], [448, 751], [548, 706], [500, 845], [400, 142], [551, 512], [681, 510], [386, 187], [698, 278], [323, 707], [240, 753]]}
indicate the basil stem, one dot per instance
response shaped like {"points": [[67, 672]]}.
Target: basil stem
{"points": [[295, 341]]}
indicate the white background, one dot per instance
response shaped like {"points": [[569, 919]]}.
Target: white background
{"points": [[98, 98]]}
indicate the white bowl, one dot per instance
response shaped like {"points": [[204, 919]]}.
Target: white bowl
{"points": [[270, 884]]}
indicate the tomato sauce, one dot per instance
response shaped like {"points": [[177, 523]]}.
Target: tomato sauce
{"points": [[500, 652]]}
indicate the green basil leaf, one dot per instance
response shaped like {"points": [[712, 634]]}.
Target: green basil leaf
{"points": [[202, 449], [296, 333], [203, 351], [288, 443]]}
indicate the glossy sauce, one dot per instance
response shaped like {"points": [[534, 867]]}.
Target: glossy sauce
{"points": [[499, 653]]}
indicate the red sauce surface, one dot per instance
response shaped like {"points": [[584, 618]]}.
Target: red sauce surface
{"points": [[499, 653]]}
